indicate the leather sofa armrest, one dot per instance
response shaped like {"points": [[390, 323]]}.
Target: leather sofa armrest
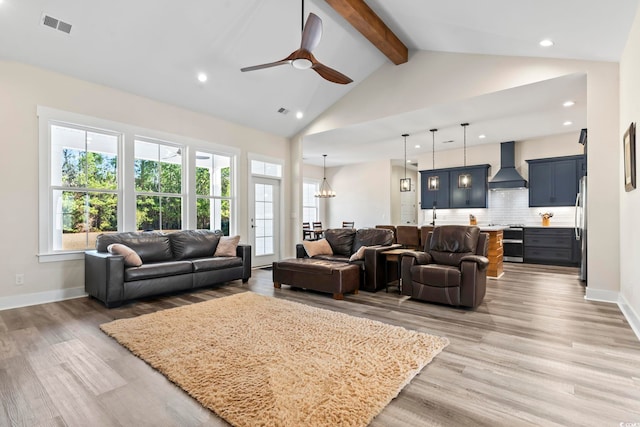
{"points": [[244, 251], [300, 252], [419, 258], [104, 277], [483, 262]]}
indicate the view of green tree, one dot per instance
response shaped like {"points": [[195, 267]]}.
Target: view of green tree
{"points": [[89, 211], [203, 205]]}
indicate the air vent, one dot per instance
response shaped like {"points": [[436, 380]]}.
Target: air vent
{"points": [[283, 110], [50, 21]]}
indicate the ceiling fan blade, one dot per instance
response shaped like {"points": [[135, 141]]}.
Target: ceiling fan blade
{"points": [[330, 74], [312, 33], [269, 65]]}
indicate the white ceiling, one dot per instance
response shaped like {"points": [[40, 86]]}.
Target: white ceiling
{"points": [[155, 48]]}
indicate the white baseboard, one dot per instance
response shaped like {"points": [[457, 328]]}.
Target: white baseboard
{"points": [[630, 314], [25, 300], [601, 296]]}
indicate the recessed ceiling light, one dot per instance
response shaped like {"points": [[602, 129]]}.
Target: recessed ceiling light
{"points": [[483, 136], [299, 115], [567, 123], [568, 104], [417, 146], [546, 43], [202, 77], [408, 161]]}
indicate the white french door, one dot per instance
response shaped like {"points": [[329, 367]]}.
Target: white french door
{"points": [[264, 221]]}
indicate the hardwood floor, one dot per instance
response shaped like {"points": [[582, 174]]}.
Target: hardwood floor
{"points": [[534, 353]]}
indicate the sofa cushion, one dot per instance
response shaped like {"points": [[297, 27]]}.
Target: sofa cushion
{"points": [[227, 246], [217, 263], [341, 240], [438, 276], [371, 237], [160, 269], [187, 244], [131, 258], [317, 247], [151, 246]]}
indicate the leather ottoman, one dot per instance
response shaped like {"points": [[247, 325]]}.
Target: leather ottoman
{"points": [[316, 274]]}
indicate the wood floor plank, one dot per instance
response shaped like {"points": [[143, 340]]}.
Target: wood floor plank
{"points": [[534, 353]]}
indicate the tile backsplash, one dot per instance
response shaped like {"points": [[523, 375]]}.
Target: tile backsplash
{"points": [[505, 207]]}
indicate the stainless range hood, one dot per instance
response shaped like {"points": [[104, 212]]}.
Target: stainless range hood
{"points": [[507, 176]]}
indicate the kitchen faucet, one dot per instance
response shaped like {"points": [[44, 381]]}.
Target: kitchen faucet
{"points": [[434, 216]]}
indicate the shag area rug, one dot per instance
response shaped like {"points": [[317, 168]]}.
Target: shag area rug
{"points": [[260, 361]]}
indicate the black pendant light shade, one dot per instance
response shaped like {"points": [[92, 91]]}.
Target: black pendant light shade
{"points": [[405, 183], [325, 191], [464, 179], [433, 183]]}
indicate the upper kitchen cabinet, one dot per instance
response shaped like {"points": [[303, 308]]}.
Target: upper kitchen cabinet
{"points": [[474, 197], [554, 181], [448, 195], [439, 197]]}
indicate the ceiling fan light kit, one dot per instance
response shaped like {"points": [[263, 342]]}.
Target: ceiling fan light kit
{"points": [[464, 179], [405, 183], [303, 59], [325, 190]]}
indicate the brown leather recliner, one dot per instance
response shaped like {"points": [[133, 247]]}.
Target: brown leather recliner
{"points": [[451, 270]]}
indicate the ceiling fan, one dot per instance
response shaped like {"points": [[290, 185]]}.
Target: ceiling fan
{"points": [[179, 153], [302, 58]]}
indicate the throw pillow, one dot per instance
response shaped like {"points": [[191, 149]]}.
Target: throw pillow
{"points": [[131, 258], [227, 246], [359, 254], [318, 247]]}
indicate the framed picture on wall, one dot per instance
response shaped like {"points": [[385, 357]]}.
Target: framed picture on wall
{"points": [[629, 146]]}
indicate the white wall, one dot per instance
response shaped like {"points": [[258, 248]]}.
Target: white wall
{"points": [[24, 87], [363, 192], [431, 78], [630, 202]]}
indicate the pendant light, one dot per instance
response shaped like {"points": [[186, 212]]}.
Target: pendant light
{"points": [[433, 183], [464, 179], [325, 191], [405, 183]]}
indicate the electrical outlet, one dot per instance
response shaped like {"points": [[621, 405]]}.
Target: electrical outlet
{"points": [[19, 279]]}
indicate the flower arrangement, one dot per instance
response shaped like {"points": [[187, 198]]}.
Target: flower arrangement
{"points": [[545, 215]]}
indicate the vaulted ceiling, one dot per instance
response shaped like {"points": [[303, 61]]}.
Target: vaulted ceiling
{"points": [[156, 48]]}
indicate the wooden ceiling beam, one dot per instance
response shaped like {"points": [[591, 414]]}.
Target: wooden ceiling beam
{"points": [[365, 20]]}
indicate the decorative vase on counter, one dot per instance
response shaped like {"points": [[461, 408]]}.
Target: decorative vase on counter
{"points": [[473, 220], [546, 218]]}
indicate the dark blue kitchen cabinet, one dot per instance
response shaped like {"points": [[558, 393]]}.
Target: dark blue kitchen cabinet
{"points": [[554, 181], [449, 196], [551, 246], [474, 197], [440, 196]]}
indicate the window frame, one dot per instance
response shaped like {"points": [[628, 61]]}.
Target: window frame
{"points": [[126, 179], [316, 206]]}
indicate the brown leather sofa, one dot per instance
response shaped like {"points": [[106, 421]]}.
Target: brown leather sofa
{"points": [[451, 270], [345, 242]]}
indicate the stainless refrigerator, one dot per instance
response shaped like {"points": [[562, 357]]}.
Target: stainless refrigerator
{"points": [[581, 226]]}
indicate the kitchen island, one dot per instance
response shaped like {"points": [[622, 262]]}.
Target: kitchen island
{"points": [[495, 252]]}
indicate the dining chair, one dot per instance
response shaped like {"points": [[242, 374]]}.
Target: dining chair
{"points": [[348, 224], [318, 231], [307, 232]]}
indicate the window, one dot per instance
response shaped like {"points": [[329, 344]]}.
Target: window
{"points": [[265, 168], [84, 190], [158, 186], [213, 191], [310, 205], [104, 177]]}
